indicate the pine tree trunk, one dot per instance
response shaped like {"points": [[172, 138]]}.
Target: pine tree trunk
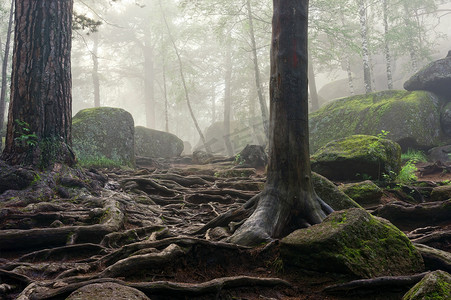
{"points": [[4, 72], [228, 98], [39, 120], [261, 98], [365, 51], [350, 79], [288, 200], [95, 70], [165, 92], [410, 39], [387, 47]]}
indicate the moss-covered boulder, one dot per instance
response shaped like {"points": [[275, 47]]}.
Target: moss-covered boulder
{"points": [[412, 119], [107, 291], [357, 157], [330, 193], [441, 193], [154, 143], [434, 77], [434, 286], [365, 193], [352, 242], [104, 136]]}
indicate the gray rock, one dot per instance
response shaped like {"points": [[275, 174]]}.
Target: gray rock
{"points": [[330, 193], [442, 153], [154, 143], [104, 136], [107, 291], [365, 193], [412, 119], [435, 77], [435, 285], [445, 119], [352, 242], [357, 157]]}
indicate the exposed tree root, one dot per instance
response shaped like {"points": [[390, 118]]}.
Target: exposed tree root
{"points": [[435, 259], [367, 286], [64, 253]]}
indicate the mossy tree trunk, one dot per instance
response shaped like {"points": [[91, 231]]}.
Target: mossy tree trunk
{"points": [[288, 200], [39, 120]]}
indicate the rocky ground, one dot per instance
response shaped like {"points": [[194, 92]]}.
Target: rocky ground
{"points": [[158, 229]]}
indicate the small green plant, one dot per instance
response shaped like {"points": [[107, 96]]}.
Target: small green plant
{"points": [[414, 155], [238, 159], [25, 136], [407, 173], [383, 134], [364, 176]]}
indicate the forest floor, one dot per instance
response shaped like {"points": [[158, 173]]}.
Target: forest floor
{"points": [[148, 228]]}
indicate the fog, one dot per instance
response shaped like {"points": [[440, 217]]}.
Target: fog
{"points": [[136, 63]]}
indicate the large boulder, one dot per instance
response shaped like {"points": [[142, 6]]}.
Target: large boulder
{"points": [[107, 291], [442, 153], [435, 77], [434, 286], [330, 193], [104, 136], [154, 143], [357, 157], [352, 242], [412, 119], [365, 193]]}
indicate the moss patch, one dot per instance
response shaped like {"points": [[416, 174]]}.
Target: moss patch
{"points": [[434, 286], [352, 242], [411, 118], [365, 193]]}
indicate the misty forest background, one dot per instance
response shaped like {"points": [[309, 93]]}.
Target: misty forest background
{"points": [[130, 61]]}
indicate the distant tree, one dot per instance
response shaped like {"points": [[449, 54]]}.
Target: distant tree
{"points": [[288, 200], [39, 120], [4, 72]]}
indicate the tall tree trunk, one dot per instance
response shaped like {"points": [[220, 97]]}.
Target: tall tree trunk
{"points": [[165, 91], [261, 98], [149, 85], [365, 51], [213, 105], [4, 72], [386, 46], [288, 200], [185, 88], [228, 97], [95, 69], [410, 39], [39, 120], [312, 85]]}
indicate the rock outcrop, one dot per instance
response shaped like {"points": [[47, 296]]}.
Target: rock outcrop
{"points": [[357, 157], [104, 136], [352, 242], [154, 143]]}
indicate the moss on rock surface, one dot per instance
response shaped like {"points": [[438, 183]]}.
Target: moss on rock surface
{"points": [[154, 143], [357, 157], [104, 136], [411, 118], [434, 286], [330, 193], [352, 242], [366, 193]]}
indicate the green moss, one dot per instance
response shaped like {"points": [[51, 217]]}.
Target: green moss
{"points": [[402, 113], [434, 286]]}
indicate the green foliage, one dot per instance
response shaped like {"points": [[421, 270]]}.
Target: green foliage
{"points": [[407, 173], [414, 156], [383, 134], [25, 136], [98, 162]]}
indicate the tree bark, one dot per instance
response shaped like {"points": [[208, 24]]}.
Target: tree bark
{"points": [[228, 97], [165, 91], [4, 72], [95, 69], [288, 200], [261, 98], [386, 46], [39, 120], [365, 51]]}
